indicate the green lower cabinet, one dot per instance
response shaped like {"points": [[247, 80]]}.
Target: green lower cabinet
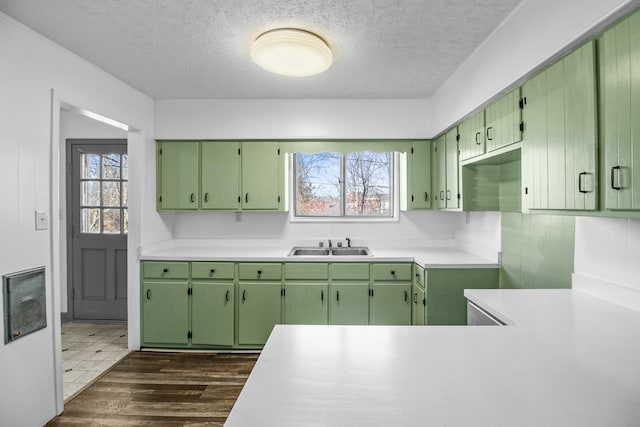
{"points": [[446, 304], [212, 313], [306, 303], [390, 304], [165, 312], [349, 303], [418, 313], [259, 310]]}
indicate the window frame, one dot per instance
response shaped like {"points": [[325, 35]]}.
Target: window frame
{"points": [[394, 186]]}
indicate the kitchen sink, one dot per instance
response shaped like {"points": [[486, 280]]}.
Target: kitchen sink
{"points": [[315, 251], [359, 251]]}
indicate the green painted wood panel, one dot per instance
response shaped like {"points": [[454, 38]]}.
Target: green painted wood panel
{"points": [[452, 193], [555, 135], [619, 58], [503, 119], [212, 270], [165, 270], [165, 312], [306, 303], [418, 311], [306, 270], [349, 303], [178, 183], [259, 310], [472, 136], [261, 170], [349, 271], [212, 313], [439, 174], [446, 304], [537, 251], [392, 272], [418, 274], [420, 173], [220, 166], [259, 271], [390, 304]]}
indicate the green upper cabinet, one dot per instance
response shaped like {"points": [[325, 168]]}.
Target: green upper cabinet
{"points": [[262, 187], [178, 175], [560, 142], [619, 57], [419, 176], [439, 172], [452, 193], [472, 136], [220, 165], [503, 119]]}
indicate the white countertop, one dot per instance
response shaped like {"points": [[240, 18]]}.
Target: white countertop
{"points": [[275, 251], [567, 359]]}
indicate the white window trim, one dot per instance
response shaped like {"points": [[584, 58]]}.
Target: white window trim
{"points": [[395, 217]]}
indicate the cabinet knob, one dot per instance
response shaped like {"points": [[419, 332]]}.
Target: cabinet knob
{"points": [[213, 270], [259, 272], [165, 270]]}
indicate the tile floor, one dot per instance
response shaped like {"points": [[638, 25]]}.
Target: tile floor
{"points": [[89, 349]]}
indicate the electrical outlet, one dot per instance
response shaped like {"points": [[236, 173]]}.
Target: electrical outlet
{"points": [[42, 220], [237, 217]]}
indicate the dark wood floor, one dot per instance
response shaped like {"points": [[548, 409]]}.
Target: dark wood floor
{"points": [[162, 389]]}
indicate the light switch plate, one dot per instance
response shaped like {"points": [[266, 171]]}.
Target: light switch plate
{"points": [[42, 220]]}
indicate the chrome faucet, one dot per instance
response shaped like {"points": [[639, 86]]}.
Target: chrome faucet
{"points": [[348, 242], [329, 243]]}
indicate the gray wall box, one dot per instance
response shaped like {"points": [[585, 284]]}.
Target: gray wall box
{"points": [[25, 303]]}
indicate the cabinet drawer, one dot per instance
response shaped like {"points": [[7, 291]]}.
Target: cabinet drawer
{"points": [[251, 271], [165, 270], [392, 272], [306, 270], [418, 274], [350, 271], [212, 270]]}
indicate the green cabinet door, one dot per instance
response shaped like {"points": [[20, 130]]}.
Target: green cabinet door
{"points": [[178, 175], [261, 180], [446, 304], [472, 136], [391, 304], [439, 174], [306, 303], [419, 172], [165, 312], [349, 303], [212, 313], [220, 165], [503, 118], [452, 193], [419, 302], [619, 58], [259, 309]]}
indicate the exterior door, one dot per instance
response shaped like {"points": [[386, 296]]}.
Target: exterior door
{"points": [[97, 194]]}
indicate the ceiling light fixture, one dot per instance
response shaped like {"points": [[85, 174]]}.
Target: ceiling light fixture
{"points": [[291, 52]]}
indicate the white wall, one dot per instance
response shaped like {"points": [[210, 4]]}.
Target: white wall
{"points": [[30, 368], [74, 125], [535, 32], [479, 232]]}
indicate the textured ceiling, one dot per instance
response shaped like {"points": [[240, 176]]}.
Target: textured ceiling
{"points": [[200, 48]]}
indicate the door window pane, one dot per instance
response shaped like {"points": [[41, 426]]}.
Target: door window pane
{"points": [[90, 193], [111, 166], [111, 193], [125, 221], [125, 166], [90, 166], [90, 221], [125, 193], [111, 221]]}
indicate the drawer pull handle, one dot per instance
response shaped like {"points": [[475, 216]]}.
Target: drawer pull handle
{"points": [[477, 139], [192, 198], [337, 296], [226, 296], [448, 194], [415, 298], [426, 196], [148, 293], [322, 295], [206, 197], [442, 195], [246, 197], [406, 295], [615, 171], [582, 179], [244, 295]]}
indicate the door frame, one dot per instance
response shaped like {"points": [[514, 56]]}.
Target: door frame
{"points": [[68, 146]]}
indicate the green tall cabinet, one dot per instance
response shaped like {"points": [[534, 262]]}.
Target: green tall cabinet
{"points": [[220, 165], [419, 190], [619, 58], [560, 144], [446, 170], [178, 175], [503, 120], [472, 136]]}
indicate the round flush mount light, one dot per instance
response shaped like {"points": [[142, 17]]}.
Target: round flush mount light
{"points": [[291, 52]]}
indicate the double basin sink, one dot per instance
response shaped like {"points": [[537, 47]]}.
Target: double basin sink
{"points": [[339, 251]]}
